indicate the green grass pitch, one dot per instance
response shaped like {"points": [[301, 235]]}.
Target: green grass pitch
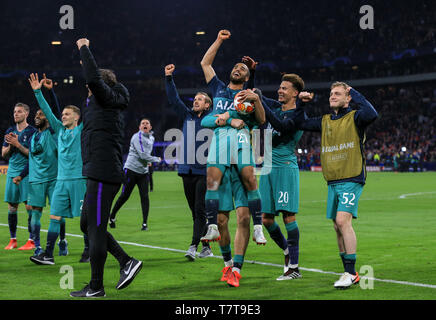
{"points": [[395, 232]]}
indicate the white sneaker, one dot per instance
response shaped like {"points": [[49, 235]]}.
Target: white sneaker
{"points": [[258, 234], [205, 252], [347, 280], [212, 234], [190, 254]]}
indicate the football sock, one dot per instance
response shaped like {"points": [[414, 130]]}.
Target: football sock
{"points": [[342, 255], [293, 243], [12, 221], [277, 235], [226, 252], [29, 223], [52, 235], [212, 206], [35, 224], [62, 230], [254, 205], [238, 261], [350, 261]]}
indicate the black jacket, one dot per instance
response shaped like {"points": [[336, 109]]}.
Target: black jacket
{"points": [[103, 126]]}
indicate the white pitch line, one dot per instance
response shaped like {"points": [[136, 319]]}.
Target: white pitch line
{"points": [[255, 262], [404, 196]]}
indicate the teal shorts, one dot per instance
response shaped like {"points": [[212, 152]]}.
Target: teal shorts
{"points": [[280, 190], [233, 148], [39, 192], [343, 197], [231, 191], [14, 193], [67, 199]]}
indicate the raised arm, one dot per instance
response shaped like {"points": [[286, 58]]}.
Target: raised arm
{"points": [[366, 114], [172, 94], [107, 96], [251, 64], [49, 85], [209, 56], [36, 86]]}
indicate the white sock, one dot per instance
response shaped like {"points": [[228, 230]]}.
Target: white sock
{"points": [[236, 269]]}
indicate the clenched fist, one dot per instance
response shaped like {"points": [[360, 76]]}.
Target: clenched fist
{"points": [[224, 34], [169, 69]]}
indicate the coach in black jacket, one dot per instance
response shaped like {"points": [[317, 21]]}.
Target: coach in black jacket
{"points": [[102, 165]]}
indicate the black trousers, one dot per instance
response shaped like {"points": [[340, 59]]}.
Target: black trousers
{"points": [[93, 222], [132, 179], [195, 192]]}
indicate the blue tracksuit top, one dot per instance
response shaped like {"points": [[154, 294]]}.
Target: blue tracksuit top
{"points": [[190, 143]]}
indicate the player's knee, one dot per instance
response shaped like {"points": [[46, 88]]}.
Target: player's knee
{"points": [[244, 220], [288, 217], [223, 220], [250, 182], [342, 222], [212, 183]]}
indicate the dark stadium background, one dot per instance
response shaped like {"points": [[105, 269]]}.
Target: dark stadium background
{"points": [[394, 65]]}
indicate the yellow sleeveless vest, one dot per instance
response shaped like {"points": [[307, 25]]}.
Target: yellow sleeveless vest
{"points": [[341, 155]]}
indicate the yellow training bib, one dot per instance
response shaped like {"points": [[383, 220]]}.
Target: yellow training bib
{"points": [[341, 155]]}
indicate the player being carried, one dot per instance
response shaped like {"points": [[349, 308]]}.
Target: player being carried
{"points": [[219, 152]]}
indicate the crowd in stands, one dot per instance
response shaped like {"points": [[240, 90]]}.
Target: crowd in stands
{"points": [[319, 40], [403, 136]]}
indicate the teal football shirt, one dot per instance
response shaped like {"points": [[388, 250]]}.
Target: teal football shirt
{"points": [[68, 141], [43, 157]]}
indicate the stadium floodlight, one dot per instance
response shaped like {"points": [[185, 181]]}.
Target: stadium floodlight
{"points": [[305, 150], [199, 33], [404, 149], [300, 151], [56, 43]]}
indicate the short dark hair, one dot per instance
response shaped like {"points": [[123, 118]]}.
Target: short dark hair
{"points": [[22, 105], [108, 77], [295, 79], [142, 119]]}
